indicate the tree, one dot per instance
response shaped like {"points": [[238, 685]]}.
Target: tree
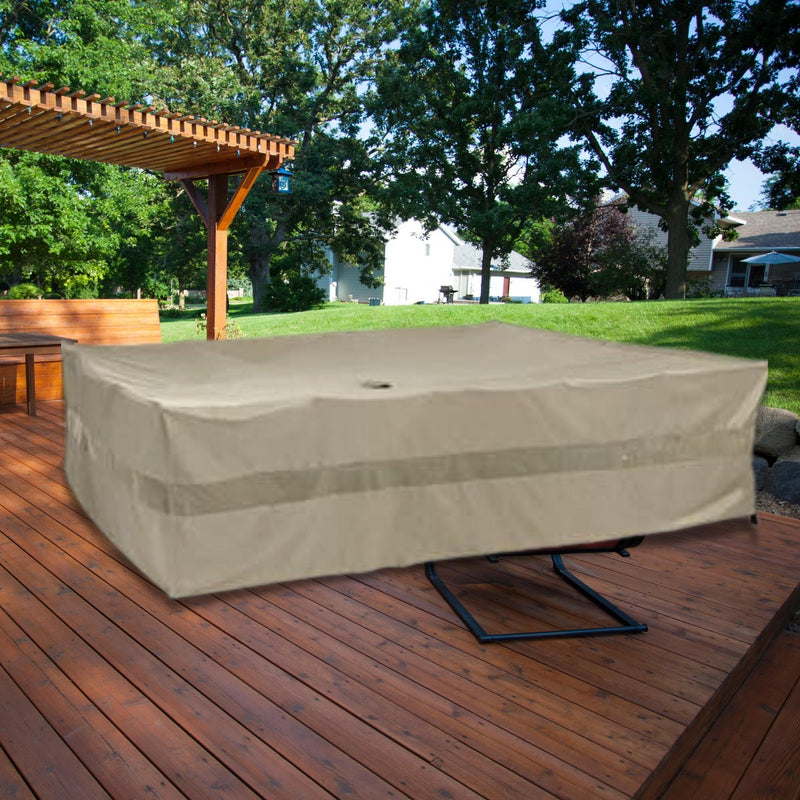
{"points": [[64, 222], [600, 254], [68, 224], [689, 86], [97, 44], [468, 123], [299, 69], [782, 188]]}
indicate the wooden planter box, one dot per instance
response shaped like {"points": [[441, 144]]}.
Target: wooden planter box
{"points": [[88, 321]]}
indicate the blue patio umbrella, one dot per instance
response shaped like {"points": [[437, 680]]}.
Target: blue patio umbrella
{"points": [[772, 258]]}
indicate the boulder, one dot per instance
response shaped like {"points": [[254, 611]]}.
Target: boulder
{"points": [[776, 432], [785, 477], [760, 470]]}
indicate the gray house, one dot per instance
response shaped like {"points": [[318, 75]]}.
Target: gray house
{"points": [[759, 232], [722, 264], [699, 257]]}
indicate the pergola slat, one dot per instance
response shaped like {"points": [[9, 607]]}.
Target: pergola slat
{"points": [[79, 145], [187, 148]]}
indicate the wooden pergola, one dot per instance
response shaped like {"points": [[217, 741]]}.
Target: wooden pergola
{"points": [[185, 148]]}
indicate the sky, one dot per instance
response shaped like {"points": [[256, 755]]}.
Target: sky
{"points": [[745, 183]]}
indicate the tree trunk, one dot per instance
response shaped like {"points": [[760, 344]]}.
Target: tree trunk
{"points": [[486, 269], [263, 245], [258, 272], [677, 253]]}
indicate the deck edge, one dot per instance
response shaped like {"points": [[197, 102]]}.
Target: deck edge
{"points": [[670, 766]]}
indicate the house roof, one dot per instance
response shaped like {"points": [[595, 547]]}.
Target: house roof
{"points": [[63, 122], [451, 235], [763, 231], [468, 257]]}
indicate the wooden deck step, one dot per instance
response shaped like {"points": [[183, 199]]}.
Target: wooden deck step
{"points": [[752, 751]]}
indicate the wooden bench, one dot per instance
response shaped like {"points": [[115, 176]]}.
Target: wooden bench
{"points": [[88, 321]]}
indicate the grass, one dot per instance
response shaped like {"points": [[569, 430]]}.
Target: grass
{"points": [[766, 328]]}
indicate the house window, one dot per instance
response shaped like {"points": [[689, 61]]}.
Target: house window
{"points": [[738, 274], [427, 248], [746, 275]]}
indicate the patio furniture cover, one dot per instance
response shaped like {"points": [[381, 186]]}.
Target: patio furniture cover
{"points": [[220, 465]]}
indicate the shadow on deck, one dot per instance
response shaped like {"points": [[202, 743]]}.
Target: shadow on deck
{"points": [[365, 686]]}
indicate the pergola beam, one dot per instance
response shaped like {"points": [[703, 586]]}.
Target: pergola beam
{"points": [[197, 200], [243, 164], [242, 190]]}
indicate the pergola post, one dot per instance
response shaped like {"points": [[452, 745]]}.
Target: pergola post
{"points": [[217, 215], [217, 279]]}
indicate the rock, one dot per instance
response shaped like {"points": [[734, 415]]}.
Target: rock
{"points": [[786, 477], [776, 432], [760, 470]]}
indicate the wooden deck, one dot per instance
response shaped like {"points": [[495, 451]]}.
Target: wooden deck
{"points": [[364, 686]]}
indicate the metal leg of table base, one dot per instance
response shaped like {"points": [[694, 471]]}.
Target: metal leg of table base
{"points": [[628, 625]]}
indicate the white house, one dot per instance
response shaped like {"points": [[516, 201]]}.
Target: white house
{"points": [[418, 264]]}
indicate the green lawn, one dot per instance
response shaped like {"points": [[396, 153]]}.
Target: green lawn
{"points": [[764, 328]]}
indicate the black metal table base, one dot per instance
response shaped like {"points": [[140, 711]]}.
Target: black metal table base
{"points": [[626, 623]]}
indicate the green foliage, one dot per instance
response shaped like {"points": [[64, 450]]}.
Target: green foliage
{"points": [[79, 287], [74, 226], [24, 291], [468, 122], [661, 129], [469, 109], [782, 188], [631, 264], [293, 292], [552, 295], [601, 255], [92, 44]]}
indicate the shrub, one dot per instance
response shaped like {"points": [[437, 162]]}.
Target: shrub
{"points": [[80, 287], [24, 291], [698, 288], [232, 330], [294, 292], [552, 295]]}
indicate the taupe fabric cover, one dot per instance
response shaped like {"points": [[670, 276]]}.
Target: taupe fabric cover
{"points": [[221, 465]]}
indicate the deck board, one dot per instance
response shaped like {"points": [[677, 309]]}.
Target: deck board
{"points": [[365, 686], [744, 729]]}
